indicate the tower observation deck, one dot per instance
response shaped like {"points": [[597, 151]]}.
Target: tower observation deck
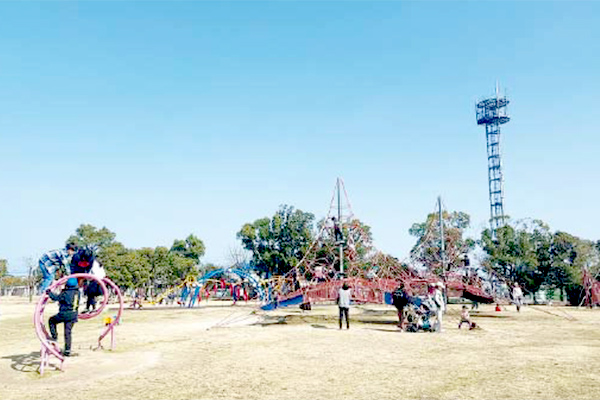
{"points": [[492, 113]]}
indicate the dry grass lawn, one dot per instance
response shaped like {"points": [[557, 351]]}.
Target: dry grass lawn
{"points": [[219, 351]]}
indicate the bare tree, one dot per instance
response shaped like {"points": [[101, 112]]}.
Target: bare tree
{"points": [[32, 276], [237, 256]]}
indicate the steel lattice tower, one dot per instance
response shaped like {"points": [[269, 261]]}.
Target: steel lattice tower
{"points": [[491, 112]]}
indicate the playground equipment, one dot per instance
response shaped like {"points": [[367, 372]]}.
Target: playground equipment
{"points": [[238, 282], [188, 281], [48, 348], [351, 258], [591, 286]]}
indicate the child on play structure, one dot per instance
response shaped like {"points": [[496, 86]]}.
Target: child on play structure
{"points": [[339, 236], [54, 260], [84, 261], [465, 318], [68, 301]]}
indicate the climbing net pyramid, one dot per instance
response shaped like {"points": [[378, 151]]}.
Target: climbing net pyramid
{"points": [[343, 252], [343, 248]]}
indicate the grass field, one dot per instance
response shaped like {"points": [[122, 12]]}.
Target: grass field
{"points": [[219, 351]]}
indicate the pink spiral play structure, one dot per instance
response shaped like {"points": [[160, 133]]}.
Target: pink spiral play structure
{"points": [[51, 349]]}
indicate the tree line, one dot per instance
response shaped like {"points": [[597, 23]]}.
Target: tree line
{"points": [[527, 251]]}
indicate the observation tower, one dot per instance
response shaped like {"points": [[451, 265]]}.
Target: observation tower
{"points": [[491, 112]]}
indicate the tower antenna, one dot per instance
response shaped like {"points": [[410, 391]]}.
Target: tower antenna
{"points": [[491, 112]]}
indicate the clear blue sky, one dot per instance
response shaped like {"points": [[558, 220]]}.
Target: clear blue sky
{"points": [[158, 120]]}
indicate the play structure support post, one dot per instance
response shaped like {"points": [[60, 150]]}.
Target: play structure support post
{"points": [[442, 244], [442, 249], [339, 201]]}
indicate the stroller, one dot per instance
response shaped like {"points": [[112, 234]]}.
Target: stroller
{"points": [[420, 314]]}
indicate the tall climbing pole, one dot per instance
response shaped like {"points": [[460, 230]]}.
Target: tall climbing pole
{"points": [[491, 112], [339, 207], [442, 244], [442, 250]]}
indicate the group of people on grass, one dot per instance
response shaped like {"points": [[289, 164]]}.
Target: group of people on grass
{"points": [[417, 312], [420, 312], [67, 261], [414, 313]]}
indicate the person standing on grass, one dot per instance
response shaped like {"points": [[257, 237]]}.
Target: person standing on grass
{"points": [[517, 295], [343, 302], [400, 300], [437, 297]]}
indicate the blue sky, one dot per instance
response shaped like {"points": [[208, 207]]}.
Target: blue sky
{"points": [[158, 120]]}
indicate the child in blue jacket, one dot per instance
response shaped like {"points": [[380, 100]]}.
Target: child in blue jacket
{"points": [[68, 301]]}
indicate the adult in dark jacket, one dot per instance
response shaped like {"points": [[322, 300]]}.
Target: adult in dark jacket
{"points": [[68, 301], [83, 263], [82, 260], [400, 300]]}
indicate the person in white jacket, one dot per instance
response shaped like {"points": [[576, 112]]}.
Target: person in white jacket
{"points": [[517, 295], [437, 297], [343, 301]]}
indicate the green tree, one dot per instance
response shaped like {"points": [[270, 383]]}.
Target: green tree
{"points": [[145, 267], [530, 254], [279, 243], [519, 253], [192, 248], [427, 251], [134, 268], [112, 256], [358, 241], [570, 257], [10, 280], [3, 268], [87, 234], [3, 271], [167, 267]]}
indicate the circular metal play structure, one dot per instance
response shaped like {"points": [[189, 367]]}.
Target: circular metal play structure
{"points": [[49, 348]]}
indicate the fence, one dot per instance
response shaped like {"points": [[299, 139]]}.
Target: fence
{"points": [[15, 291]]}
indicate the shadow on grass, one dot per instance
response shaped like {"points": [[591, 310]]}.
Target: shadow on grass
{"points": [[369, 311], [490, 315], [182, 308], [25, 362], [385, 330], [268, 321], [319, 326], [378, 322]]}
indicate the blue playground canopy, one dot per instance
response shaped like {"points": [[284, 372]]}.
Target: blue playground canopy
{"points": [[244, 273]]}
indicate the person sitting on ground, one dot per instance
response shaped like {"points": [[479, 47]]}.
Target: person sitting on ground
{"points": [[343, 301], [68, 301], [465, 318], [54, 260]]}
